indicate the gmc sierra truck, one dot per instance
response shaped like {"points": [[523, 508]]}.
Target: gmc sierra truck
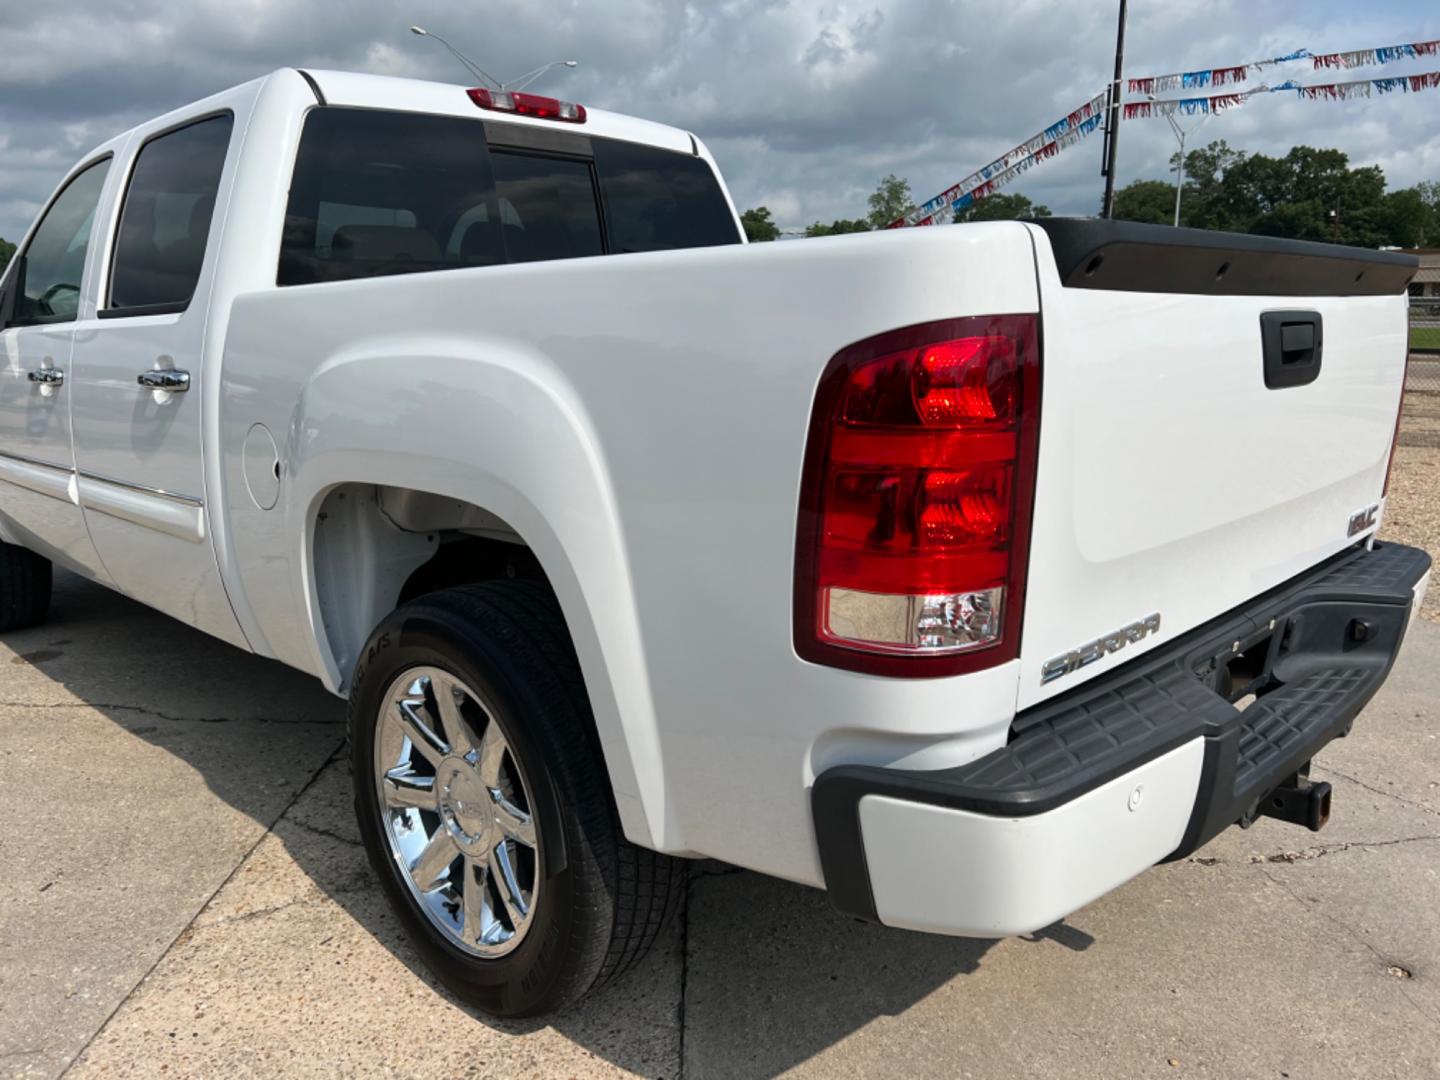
{"points": [[962, 572]]}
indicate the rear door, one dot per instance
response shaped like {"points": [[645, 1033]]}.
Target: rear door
{"points": [[44, 296], [138, 379], [1217, 417]]}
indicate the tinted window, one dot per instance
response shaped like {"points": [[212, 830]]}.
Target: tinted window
{"points": [[378, 192], [547, 207], [55, 258], [387, 193], [656, 200], [165, 222]]}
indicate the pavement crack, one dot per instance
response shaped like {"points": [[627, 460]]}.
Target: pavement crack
{"points": [[260, 913], [143, 711], [189, 927], [23, 1053], [1375, 790], [318, 831], [1319, 851], [1354, 935]]}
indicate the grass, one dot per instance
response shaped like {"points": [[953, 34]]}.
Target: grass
{"points": [[1425, 337]]}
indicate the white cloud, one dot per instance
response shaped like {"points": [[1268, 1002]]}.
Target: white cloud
{"points": [[806, 103]]}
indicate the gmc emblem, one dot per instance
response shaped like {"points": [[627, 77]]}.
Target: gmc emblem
{"points": [[1363, 519]]}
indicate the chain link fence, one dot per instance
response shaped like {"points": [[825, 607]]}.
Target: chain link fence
{"points": [[1420, 425]]}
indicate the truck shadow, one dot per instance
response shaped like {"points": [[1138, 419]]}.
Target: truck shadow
{"points": [[763, 974]]}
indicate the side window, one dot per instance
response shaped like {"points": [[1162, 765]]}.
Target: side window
{"points": [[378, 192], [165, 221], [658, 200], [49, 277], [547, 207]]}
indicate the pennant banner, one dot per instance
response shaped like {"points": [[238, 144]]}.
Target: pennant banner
{"points": [[1386, 54], [1063, 133], [1346, 91], [1225, 76], [942, 214]]}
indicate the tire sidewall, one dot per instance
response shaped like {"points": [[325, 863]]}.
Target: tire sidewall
{"points": [[526, 979]]}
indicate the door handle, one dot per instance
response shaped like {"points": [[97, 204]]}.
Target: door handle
{"points": [[176, 382], [47, 377], [1293, 345]]}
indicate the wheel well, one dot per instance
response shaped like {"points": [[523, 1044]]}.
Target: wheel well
{"points": [[376, 547]]}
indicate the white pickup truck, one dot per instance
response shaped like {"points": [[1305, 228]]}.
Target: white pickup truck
{"points": [[962, 572]]}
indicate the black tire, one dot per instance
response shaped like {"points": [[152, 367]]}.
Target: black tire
{"points": [[604, 900], [25, 580]]}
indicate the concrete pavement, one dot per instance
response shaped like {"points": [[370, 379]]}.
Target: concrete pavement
{"points": [[184, 895]]}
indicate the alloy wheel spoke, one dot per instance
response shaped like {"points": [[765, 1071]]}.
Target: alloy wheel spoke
{"points": [[429, 869], [476, 909], [427, 742], [453, 727], [404, 791], [514, 822], [492, 752], [508, 887]]}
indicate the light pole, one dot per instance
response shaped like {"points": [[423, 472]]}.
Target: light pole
{"points": [[1180, 134], [1112, 119], [1180, 167]]}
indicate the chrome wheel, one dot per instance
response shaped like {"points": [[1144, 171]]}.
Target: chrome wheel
{"points": [[457, 811]]}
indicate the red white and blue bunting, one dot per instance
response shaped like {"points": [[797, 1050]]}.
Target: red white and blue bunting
{"points": [[1386, 54], [1345, 91], [1061, 135], [1194, 80], [1238, 73], [1088, 118]]}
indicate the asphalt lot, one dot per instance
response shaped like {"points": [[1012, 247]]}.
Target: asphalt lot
{"points": [[183, 895]]}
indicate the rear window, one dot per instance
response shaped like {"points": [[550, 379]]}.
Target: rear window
{"points": [[547, 207], [656, 200], [377, 192]]}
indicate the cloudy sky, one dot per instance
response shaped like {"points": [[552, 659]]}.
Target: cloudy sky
{"points": [[805, 104]]}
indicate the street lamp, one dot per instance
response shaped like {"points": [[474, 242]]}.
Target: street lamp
{"points": [[1180, 134]]}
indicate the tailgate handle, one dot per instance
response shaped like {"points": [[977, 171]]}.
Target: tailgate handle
{"points": [[1292, 343]]}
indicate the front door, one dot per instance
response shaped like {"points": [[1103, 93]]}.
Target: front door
{"points": [[38, 500], [138, 381]]}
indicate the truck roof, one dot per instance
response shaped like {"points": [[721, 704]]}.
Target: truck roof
{"points": [[351, 88], [418, 95]]}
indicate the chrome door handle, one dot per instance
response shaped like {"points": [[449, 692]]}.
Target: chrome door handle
{"points": [[177, 382], [47, 376]]}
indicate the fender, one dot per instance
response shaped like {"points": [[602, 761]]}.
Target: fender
{"points": [[489, 423]]}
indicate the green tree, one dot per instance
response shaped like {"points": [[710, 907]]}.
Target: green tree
{"points": [[758, 226], [7, 252], [1205, 205], [891, 200], [837, 227], [1008, 207], [1413, 215], [1152, 201]]}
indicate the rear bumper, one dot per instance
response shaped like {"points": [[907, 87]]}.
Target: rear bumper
{"points": [[1145, 763]]}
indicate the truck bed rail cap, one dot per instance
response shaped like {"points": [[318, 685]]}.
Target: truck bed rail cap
{"points": [[1127, 256]]}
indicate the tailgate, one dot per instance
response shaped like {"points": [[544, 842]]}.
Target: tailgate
{"points": [[1180, 472]]}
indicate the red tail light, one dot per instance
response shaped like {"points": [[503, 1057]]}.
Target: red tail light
{"points": [[542, 108], [916, 499]]}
